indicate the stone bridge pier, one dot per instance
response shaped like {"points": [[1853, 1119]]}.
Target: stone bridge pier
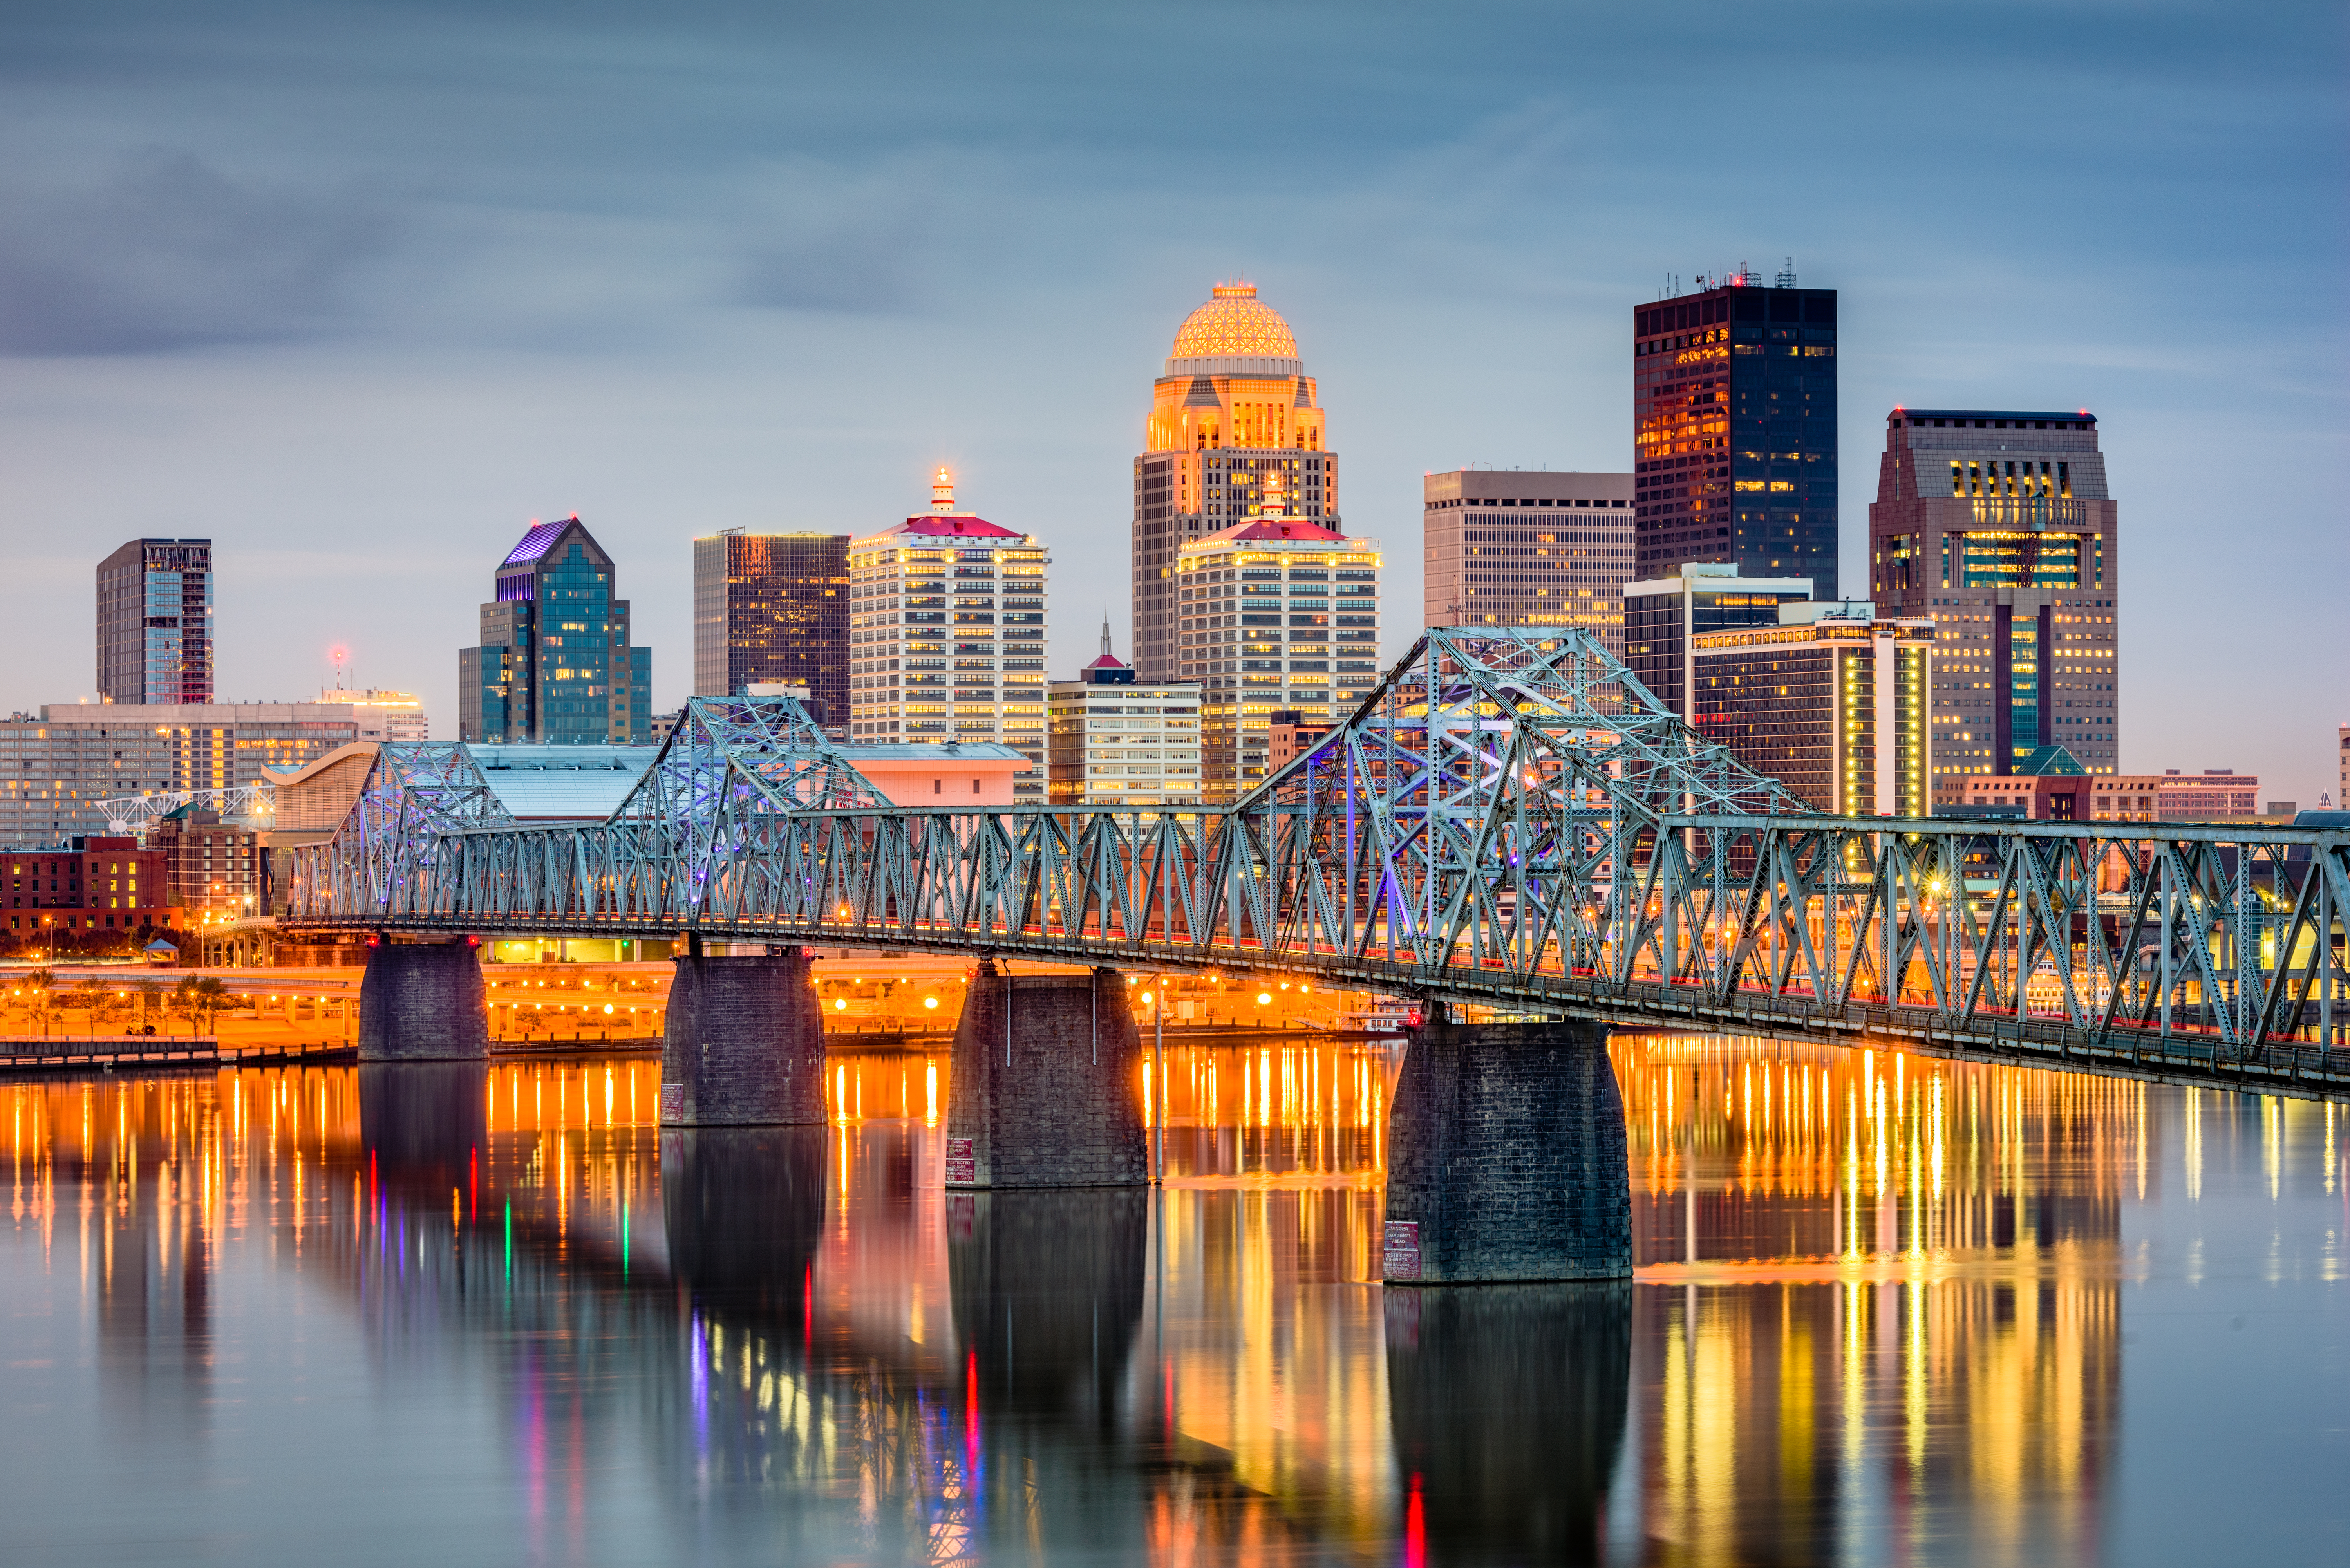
{"points": [[423, 1001], [1506, 1157], [744, 1044], [1045, 1091]]}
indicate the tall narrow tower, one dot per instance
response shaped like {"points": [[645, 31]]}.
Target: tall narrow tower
{"points": [[1232, 424]]}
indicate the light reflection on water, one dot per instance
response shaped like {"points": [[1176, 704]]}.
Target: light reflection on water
{"points": [[1887, 1308]]}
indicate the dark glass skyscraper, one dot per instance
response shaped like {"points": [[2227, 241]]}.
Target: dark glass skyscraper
{"points": [[154, 622], [773, 608], [554, 663], [1734, 411]]}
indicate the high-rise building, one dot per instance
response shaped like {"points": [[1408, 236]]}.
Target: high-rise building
{"points": [[2341, 757], [1664, 618], [1275, 614], [1998, 526], [1118, 743], [384, 715], [1831, 701], [947, 635], [554, 663], [1511, 547], [772, 609], [55, 768], [1232, 416], [155, 622], [1734, 429]]}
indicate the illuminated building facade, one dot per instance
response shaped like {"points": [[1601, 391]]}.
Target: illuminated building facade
{"points": [[1511, 547], [1118, 743], [1664, 616], [217, 872], [1272, 614], [155, 622], [1233, 420], [100, 884], [55, 768], [384, 715], [1832, 703], [1735, 433], [772, 609], [555, 664], [947, 635], [1998, 526]]}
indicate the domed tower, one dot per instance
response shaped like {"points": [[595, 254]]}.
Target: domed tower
{"points": [[1234, 435]]}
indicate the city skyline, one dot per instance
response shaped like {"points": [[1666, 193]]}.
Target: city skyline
{"points": [[450, 364]]}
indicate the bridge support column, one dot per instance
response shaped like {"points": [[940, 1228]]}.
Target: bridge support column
{"points": [[743, 1044], [422, 1001], [1506, 1157], [1046, 1092]]}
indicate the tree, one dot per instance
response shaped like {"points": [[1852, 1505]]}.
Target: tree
{"points": [[202, 996]]}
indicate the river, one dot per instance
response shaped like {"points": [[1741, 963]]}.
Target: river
{"points": [[1887, 1310]]}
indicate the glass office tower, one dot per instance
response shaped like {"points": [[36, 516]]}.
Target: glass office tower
{"points": [[154, 622], [554, 663], [1734, 409], [773, 608]]}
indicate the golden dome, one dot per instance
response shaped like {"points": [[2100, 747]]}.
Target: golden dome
{"points": [[1234, 325]]}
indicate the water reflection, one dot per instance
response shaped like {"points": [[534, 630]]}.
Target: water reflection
{"points": [[1881, 1314]]}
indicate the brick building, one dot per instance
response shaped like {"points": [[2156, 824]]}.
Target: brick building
{"points": [[96, 884]]}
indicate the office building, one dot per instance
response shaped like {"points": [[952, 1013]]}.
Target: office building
{"points": [[1664, 616], [155, 622], [1512, 547], [1232, 417], [215, 871], [1272, 614], [772, 609], [92, 884], [1831, 701], [1734, 430], [1115, 742], [947, 635], [383, 715], [55, 768], [1289, 736], [554, 663], [1998, 527], [2215, 794]]}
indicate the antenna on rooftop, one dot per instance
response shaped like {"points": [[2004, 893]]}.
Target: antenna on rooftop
{"points": [[1787, 278]]}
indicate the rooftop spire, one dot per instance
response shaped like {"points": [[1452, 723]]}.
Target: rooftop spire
{"points": [[942, 492], [1105, 632]]}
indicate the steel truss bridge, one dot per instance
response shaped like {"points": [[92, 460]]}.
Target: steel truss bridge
{"points": [[1493, 827]]}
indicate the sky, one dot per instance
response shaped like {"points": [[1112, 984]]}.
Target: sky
{"points": [[358, 292]]}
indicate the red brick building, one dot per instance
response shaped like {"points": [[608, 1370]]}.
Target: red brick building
{"points": [[97, 885]]}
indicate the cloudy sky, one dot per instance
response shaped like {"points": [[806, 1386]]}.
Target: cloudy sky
{"points": [[358, 291]]}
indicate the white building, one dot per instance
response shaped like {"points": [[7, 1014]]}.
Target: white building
{"points": [[385, 715], [1118, 743], [1275, 614], [947, 635]]}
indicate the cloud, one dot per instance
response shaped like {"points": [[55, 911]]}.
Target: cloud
{"points": [[172, 253]]}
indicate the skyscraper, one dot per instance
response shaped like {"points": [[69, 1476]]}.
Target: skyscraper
{"points": [[1733, 411], [1276, 614], [773, 608], [154, 622], [947, 635], [1233, 413], [1827, 699], [1663, 618], [554, 663], [1514, 547], [1998, 526]]}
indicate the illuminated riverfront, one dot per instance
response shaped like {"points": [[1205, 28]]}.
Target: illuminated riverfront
{"points": [[1883, 1306]]}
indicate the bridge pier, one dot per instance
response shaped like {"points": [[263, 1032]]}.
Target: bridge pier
{"points": [[1506, 1157], [744, 1043], [1045, 1091], [422, 1001]]}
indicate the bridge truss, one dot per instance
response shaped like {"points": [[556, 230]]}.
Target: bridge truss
{"points": [[1492, 828]]}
